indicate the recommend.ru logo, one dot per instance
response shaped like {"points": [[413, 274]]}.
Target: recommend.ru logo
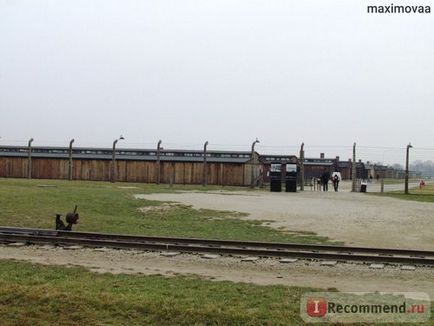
{"points": [[378, 307]]}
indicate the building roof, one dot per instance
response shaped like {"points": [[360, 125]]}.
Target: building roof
{"points": [[127, 154], [283, 159], [345, 164], [319, 161]]}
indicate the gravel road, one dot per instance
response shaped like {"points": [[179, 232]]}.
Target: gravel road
{"points": [[354, 218]]}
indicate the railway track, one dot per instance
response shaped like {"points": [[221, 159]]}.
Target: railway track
{"points": [[225, 247]]}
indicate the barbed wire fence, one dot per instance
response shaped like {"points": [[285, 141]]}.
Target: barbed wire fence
{"points": [[421, 158]]}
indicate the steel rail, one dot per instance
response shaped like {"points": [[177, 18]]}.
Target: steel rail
{"points": [[223, 243], [60, 239]]}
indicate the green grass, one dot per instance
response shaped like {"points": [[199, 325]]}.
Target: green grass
{"points": [[47, 295], [396, 181], [422, 195], [107, 207]]}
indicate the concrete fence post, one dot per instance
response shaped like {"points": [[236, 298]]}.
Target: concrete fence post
{"points": [[158, 166], [70, 160], [406, 168], [113, 176], [353, 170], [29, 159], [302, 167], [253, 164], [205, 171]]}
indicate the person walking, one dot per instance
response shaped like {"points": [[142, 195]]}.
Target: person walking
{"points": [[336, 177], [325, 177]]}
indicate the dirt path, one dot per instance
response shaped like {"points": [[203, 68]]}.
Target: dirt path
{"points": [[354, 218], [344, 277]]}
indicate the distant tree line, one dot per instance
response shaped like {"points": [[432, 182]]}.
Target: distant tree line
{"points": [[425, 167]]}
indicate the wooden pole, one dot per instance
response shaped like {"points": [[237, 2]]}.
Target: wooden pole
{"points": [[172, 178], [221, 174]]}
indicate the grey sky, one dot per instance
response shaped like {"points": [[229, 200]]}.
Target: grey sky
{"points": [[323, 72]]}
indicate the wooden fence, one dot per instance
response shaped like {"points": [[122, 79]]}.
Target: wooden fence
{"points": [[230, 174]]}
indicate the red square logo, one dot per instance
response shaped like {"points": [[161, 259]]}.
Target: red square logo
{"points": [[316, 307]]}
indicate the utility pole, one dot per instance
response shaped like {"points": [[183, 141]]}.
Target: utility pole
{"points": [[113, 176], [302, 167], [29, 160], [158, 162], [205, 171], [406, 168], [253, 157], [353, 170], [70, 159]]}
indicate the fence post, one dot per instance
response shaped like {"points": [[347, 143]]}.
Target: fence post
{"points": [[221, 175], [158, 162], [70, 160], [406, 168], [205, 171], [302, 167], [172, 177], [113, 176], [253, 158], [29, 159], [354, 172]]}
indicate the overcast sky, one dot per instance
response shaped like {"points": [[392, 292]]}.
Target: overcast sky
{"points": [[321, 72]]}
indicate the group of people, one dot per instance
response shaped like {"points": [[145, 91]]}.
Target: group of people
{"points": [[335, 177]]}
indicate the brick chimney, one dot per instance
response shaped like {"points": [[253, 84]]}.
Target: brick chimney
{"points": [[321, 155], [337, 158]]}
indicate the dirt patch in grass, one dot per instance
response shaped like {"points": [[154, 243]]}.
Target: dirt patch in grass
{"points": [[163, 208]]}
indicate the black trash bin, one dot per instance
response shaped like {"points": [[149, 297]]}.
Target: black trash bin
{"points": [[363, 186], [291, 178], [276, 178]]}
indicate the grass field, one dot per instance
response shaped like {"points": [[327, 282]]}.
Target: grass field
{"points": [[107, 207], [46, 295], [423, 195], [388, 181]]}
